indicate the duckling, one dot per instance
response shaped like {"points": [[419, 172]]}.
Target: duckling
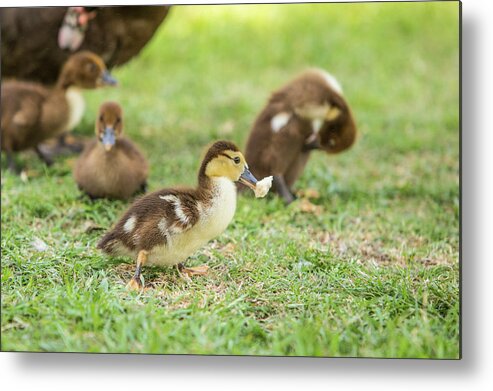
{"points": [[32, 113], [306, 114], [167, 226], [111, 166]]}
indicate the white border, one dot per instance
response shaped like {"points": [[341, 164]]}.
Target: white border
{"points": [[474, 372]]}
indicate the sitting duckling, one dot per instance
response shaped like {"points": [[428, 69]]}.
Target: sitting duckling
{"points": [[307, 113], [169, 225], [32, 113], [111, 166]]}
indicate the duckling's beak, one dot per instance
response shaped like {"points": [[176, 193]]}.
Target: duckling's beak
{"points": [[108, 138], [108, 80], [248, 179]]}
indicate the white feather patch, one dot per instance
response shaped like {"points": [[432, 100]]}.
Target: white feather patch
{"points": [[39, 245], [184, 219], [169, 198], [200, 208], [76, 106], [279, 121], [180, 214], [331, 81], [163, 227], [130, 224]]}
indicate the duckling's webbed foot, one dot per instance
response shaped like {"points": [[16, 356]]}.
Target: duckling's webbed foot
{"points": [[46, 158], [193, 271], [136, 282], [282, 189]]}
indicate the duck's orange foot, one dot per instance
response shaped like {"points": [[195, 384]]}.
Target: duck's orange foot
{"points": [[134, 284], [194, 271]]}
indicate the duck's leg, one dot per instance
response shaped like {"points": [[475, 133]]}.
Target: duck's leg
{"points": [[135, 283], [43, 156], [282, 189], [193, 271]]}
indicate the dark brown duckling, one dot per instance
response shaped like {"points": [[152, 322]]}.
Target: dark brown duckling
{"points": [[306, 114], [32, 113], [169, 225], [111, 166]]}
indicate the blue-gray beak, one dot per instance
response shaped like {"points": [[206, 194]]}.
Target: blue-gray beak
{"points": [[248, 179], [108, 139], [108, 79]]}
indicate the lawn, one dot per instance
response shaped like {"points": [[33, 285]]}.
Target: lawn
{"points": [[375, 273]]}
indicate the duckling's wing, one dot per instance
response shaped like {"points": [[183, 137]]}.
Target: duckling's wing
{"points": [[131, 150], [178, 212], [22, 103], [154, 220], [28, 112]]}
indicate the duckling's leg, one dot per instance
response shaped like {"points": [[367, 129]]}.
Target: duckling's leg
{"points": [[143, 188], [193, 271], [11, 163], [135, 283], [282, 189], [43, 156]]}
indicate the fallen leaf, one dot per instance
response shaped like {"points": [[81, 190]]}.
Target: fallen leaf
{"points": [[325, 238], [15, 324], [228, 249], [196, 270], [305, 206], [309, 193], [90, 226]]}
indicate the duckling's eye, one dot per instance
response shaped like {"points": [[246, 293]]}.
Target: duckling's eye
{"points": [[91, 67], [101, 118], [236, 160]]}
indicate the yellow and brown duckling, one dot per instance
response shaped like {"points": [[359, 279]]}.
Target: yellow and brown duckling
{"points": [[308, 113], [32, 113], [111, 166], [168, 225]]}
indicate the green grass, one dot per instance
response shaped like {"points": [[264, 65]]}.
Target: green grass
{"points": [[375, 274]]}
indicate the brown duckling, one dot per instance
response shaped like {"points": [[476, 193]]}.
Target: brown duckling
{"points": [[111, 166], [307, 113], [32, 113], [167, 226]]}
